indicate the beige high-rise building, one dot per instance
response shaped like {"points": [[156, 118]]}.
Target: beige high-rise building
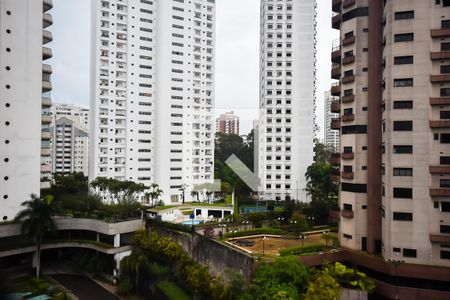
{"points": [[393, 166], [228, 123]]}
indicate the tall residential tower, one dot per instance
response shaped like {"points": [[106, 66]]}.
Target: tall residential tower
{"points": [[287, 92], [25, 155], [152, 93]]}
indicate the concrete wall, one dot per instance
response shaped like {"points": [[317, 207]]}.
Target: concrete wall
{"points": [[218, 257]]}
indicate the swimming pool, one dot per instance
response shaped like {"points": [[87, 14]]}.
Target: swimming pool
{"points": [[190, 222]]}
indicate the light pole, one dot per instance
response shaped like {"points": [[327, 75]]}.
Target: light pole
{"points": [[264, 238], [396, 264], [302, 236], [223, 227]]}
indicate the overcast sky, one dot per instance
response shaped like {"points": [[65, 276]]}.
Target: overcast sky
{"points": [[237, 59]]}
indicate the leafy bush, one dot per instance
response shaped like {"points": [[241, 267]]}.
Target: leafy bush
{"points": [[172, 291], [255, 231], [173, 226], [349, 278], [125, 286], [299, 250]]}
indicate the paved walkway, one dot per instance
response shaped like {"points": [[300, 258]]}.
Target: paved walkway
{"points": [[84, 288]]}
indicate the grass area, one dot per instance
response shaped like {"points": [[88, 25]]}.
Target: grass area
{"points": [[303, 250], [172, 291], [255, 231]]}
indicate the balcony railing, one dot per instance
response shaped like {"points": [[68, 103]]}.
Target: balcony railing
{"points": [[348, 41], [440, 192], [336, 55], [348, 60], [348, 175], [47, 5], [46, 86], [348, 79], [440, 101], [349, 155], [440, 78], [336, 106], [348, 3], [440, 169], [336, 5], [349, 214], [45, 120], [336, 123], [336, 21], [440, 124], [440, 55], [440, 238], [336, 72], [336, 89], [348, 118], [47, 37], [47, 20], [441, 32], [46, 53], [347, 99], [335, 159], [46, 102]]}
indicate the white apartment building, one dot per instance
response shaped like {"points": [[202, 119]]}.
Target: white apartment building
{"points": [[70, 146], [287, 92], [24, 101], [152, 93], [76, 113], [331, 135]]}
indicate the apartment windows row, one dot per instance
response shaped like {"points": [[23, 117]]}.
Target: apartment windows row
{"points": [[279, 35], [278, 186], [279, 102], [278, 167], [278, 177]]}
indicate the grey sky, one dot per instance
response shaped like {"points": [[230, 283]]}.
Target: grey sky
{"points": [[237, 59]]}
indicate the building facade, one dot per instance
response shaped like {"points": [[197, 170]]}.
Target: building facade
{"points": [[76, 113], [287, 93], [228, 123], [331, 136], [152, 93], [70, 147], [392, 66], [24, 102]]}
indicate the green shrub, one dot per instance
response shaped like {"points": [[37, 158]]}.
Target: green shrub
{"points": [[172, 291], [299, 250], [255, 231], [125, 286]]}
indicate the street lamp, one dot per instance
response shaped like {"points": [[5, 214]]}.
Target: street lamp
{"points": [[302, 236], [396, 264], [223, 227], [264, 238]]}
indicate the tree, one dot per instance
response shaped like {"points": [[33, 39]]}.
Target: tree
{"points": [[324, 287], [36, 220], [134, 266], [154, 193]]}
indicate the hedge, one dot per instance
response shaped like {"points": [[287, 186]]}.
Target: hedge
{"points": [[299, 250], [255, 231]]}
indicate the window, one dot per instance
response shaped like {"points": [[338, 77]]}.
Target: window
{"points": [[445, 160], [409, 252], [445, 24], [404, 15], [445, 206], [400, 216], [445, 46], [444, 183], [445, 229], [403, 125], [445, 114], [354, 187], [403, 172], [445, 254], [405, 193], [445, 138], [347, 236], [403, 82], [403, 37], [402, 149], [403, 60], [354, 129], [445, 92], [404, 104]]}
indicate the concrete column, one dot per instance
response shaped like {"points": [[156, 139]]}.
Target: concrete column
{"points": [[34, 259], [98, 237], [116, 240]]}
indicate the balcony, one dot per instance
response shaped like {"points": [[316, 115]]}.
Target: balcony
{"points": [[347, 99], [348, 3], [46, 136], [336, 21], [47, 69], [336, 55], [348, 118], [47, 37], [441, 32], [440, 55], [348, 175], [440, 101], [46, 119], [46, 53], [46, 86], [348, 79], [336, 72], [440, 192], [46, 168], [47, 5], [336, 123], [440, 78], [335, 159], [336, 89], [348, 60], [336, 5], [349, 155], [348, 41], [335, 175], [439, 169], [440, 238], [47, 20], [349, 214], [46, 152], [336, 106], [440, 124], [46, 102]]}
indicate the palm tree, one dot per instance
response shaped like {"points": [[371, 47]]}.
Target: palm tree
{"points": [[154, 193], [135, 265], [36, 219]]}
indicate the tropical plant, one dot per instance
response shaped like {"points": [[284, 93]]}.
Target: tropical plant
{"points": [[349, 278], [135, 265], [36, 220], [323, 287], [154, 193], [327, 237]]}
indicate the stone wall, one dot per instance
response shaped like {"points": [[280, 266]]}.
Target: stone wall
{"points": [[217, 256]]}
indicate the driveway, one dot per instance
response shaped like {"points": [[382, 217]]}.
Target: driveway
{"points": [[84, 288]]}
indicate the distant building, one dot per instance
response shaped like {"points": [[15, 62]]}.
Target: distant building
{"points": [[331, 136], [228, 123], [78, 114], [70, 147]]}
